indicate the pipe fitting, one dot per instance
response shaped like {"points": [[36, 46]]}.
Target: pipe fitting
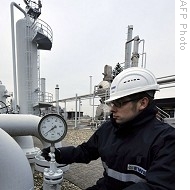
{"points": [[13, 161]]}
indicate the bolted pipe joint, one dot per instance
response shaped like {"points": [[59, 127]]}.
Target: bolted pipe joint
{"points": [[52, 179]]}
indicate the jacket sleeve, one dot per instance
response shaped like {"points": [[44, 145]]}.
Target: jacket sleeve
{"points": [[83, 153], [161, 173]]}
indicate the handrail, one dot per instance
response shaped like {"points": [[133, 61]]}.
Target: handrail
{"points": [[45, 97], [162, 114], [41, 26]]}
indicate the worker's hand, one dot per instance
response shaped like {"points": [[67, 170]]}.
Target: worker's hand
{"points": [[46, 151]]}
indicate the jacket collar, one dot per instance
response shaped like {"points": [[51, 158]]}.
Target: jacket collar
{"points": [[146, 115]]}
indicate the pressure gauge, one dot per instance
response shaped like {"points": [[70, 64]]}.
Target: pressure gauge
{"points": [[52, 128]]}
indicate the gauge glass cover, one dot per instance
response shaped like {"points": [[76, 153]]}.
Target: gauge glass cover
{"points": [[52, 128]]}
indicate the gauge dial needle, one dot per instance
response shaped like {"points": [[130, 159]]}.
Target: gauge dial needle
{"points": [[50, 129]]}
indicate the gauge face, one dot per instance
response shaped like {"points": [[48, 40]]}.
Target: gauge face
{"points": [[52, 128]]}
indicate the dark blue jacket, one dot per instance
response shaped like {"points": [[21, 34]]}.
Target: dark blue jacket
{"points": [[137, 155]]}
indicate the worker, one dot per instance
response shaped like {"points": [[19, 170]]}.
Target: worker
{"points": [[137, 150]]}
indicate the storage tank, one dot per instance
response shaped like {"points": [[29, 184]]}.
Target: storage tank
{"points": [[2, 92], [103, 89], [27, 68], [3, 96], [103, 110]]}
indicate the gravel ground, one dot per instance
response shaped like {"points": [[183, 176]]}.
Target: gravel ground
{"points": [[77, 136], [74, 137], [66, 185]]}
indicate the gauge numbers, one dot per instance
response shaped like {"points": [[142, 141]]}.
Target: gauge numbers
{"points": [[52, 128]]}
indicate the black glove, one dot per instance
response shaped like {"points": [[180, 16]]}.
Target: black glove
{"points": [[46, 151]]}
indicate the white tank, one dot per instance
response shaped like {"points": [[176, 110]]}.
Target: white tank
{"points": [[104, 84], [102, 112], [27, 72], [2, 92], [103, 88], [2, 97]]}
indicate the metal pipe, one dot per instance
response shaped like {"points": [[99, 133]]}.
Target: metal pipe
{"points": [[15, 169], [145, 60], [57, 97], [65, 111], [135, 54], [79, 110], [22, 125], [164, 87], [90, 89], [166, 80], [143, 53], [43, 89], [93, 115], [13, 51], [128, 47], [76, 112], [105, 105]]}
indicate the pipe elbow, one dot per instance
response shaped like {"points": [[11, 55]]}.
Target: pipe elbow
{"points": [[15, 169], [20, 124]]}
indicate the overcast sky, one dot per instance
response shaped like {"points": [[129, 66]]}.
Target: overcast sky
{"points": [[89, 34]]}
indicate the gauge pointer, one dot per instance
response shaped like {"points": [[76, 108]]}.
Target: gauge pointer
{"points": [[50, 130]]}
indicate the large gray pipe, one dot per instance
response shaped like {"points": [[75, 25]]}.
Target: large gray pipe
{"points": [[22, 125], [15, 171], [14, 50]]}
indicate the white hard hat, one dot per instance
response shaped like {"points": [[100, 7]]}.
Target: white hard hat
{"points": [[131, 81]]}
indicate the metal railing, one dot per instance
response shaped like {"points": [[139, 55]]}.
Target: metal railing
{"points": [[45, 97], [162, 114], [42, 27]]}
